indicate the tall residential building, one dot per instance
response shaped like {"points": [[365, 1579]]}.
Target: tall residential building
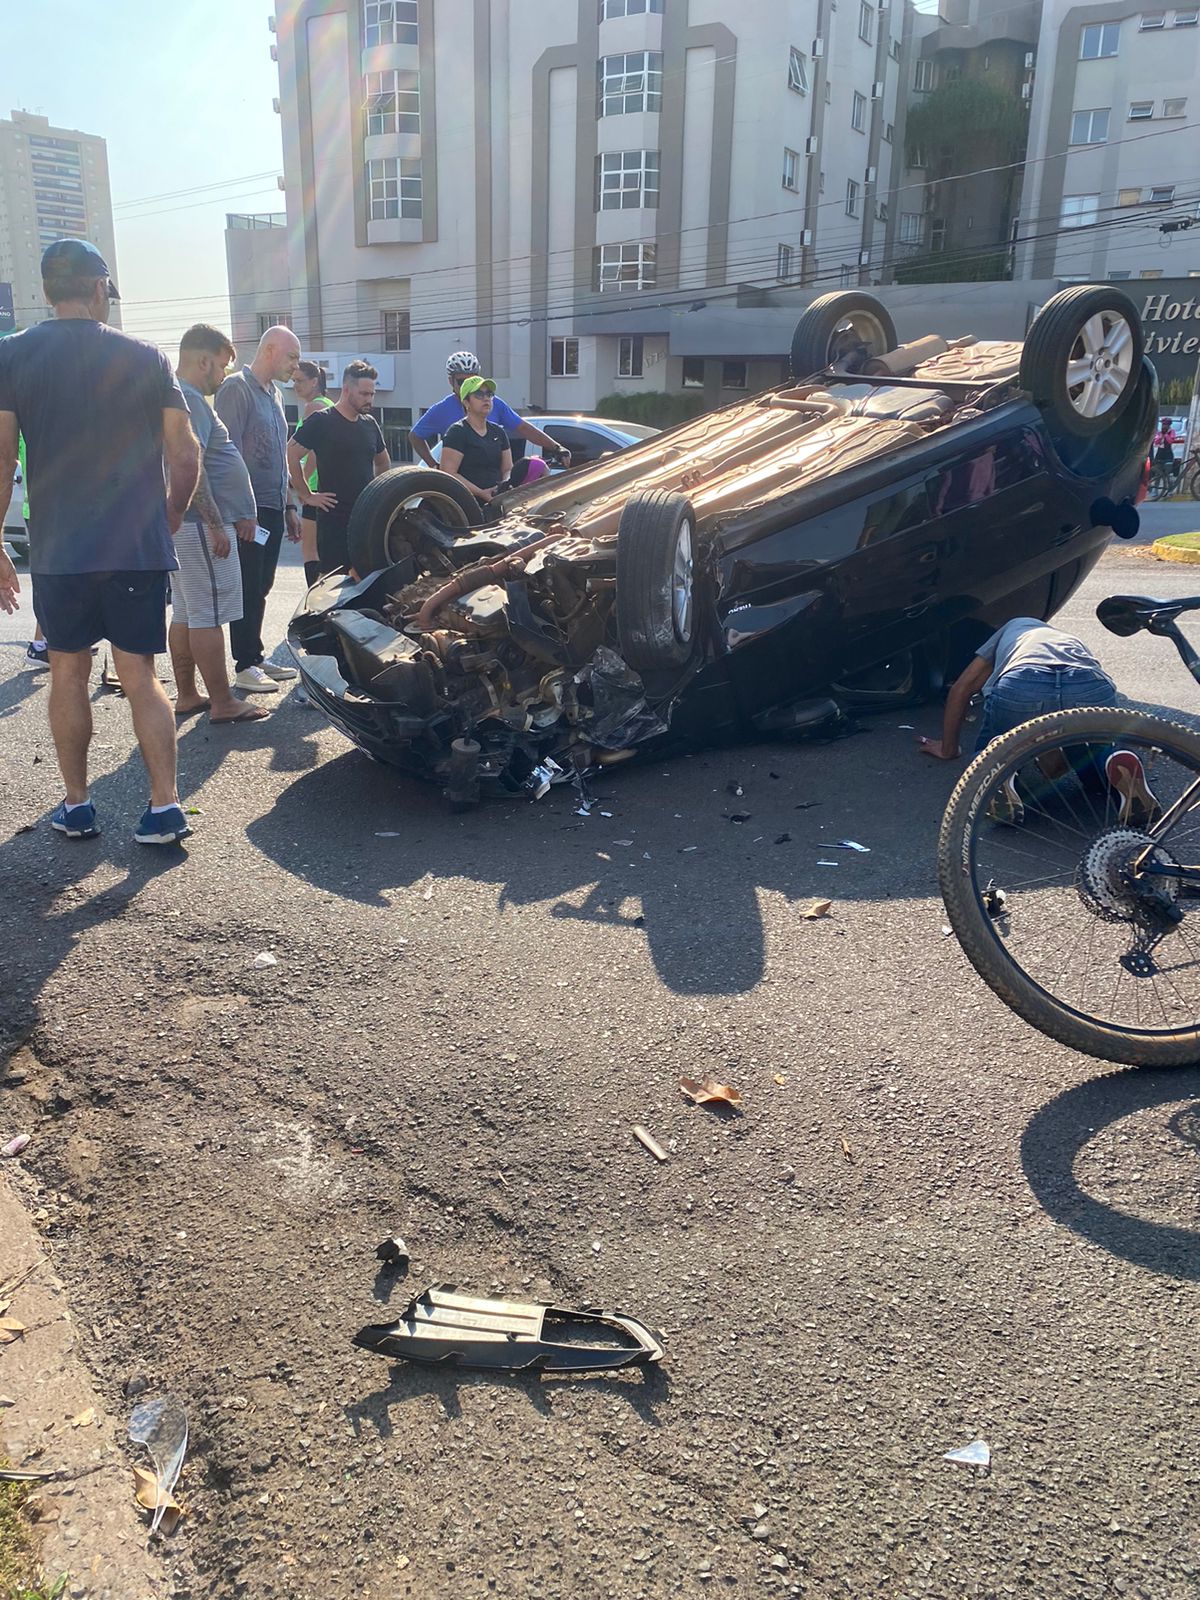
{"points": [[1113, 145], [545, 181], [53, 185]]}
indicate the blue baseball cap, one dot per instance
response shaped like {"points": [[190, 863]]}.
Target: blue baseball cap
{"points": [[76, 258]]}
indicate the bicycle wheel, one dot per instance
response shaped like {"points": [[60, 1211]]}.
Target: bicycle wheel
{"points": [[1160, 483], [1074, 911], [1190, 483]]}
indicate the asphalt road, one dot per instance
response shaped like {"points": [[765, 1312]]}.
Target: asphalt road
{"points": [[930, 1224]]}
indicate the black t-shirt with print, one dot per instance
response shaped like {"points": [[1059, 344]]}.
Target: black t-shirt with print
{"points": [[481, 453], [345, 453]]}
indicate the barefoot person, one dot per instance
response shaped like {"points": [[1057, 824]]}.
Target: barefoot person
{"points": [[206, 592], [101, 413]]}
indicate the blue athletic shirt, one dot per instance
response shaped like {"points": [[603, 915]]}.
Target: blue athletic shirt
{"points": [[89, 401], [439, 419]]}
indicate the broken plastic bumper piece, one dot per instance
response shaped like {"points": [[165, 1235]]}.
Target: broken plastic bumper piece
{"points": [[443, 1326]]}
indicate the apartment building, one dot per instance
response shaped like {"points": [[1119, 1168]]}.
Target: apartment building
{"points": [[53, 185], [1113, 144], [546, 181]]}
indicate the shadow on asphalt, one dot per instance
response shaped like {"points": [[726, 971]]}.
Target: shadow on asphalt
{"points": [[643, 1388], [1057, 1135]]}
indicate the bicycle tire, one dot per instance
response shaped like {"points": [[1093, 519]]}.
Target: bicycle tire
{"points": [[1190, 483], [1160, 484], [971, 922]]}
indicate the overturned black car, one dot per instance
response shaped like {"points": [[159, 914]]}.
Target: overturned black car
{"points": [[846, 539]]}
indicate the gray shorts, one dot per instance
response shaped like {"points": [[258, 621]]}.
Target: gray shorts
{"points": [[206, 591]]}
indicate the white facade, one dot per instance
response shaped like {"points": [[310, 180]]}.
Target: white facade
{"points": [[544, 181], [53, 185], [1113, 150]]}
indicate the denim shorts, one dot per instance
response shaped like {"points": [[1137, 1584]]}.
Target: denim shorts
{"points": [[1030, 692], [77, 609]]}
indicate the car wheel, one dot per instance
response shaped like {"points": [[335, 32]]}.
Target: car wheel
{"points": [[381, 529], [842, 330], [1082, 360], [655, 605]]}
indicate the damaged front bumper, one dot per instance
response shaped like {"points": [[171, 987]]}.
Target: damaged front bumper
{"points": [[444, 1327]]}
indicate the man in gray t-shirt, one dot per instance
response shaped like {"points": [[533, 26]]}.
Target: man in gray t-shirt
{"points": [[1026, 669]]}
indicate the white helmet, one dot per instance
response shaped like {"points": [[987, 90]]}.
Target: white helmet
{"points": [[462, 361]]}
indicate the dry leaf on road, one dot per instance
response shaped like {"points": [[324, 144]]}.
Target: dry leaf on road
{"points": [[706, 1091], [10, 1329], [815, 909], [847, 1152], [150, 1497], [85, 1418]]}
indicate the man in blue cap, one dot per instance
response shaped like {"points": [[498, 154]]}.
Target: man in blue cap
{"points": [[100, 413]]}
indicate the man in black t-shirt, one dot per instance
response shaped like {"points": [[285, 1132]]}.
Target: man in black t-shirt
{"points": [[349, 449]]}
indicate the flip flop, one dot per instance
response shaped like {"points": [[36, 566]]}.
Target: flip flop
{"points": [[194, 711], [249, 714]]}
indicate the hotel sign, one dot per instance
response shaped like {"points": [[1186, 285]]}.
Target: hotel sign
{"points": [[1170, 312]]}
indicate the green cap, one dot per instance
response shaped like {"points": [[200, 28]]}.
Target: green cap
{"points": [[473, 384]]}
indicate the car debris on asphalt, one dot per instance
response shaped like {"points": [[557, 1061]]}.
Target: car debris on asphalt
{"points": [[645, 1138], [14, 1146], [265, 959], [443, 1326], [976, 1454], [853, 844], [394, 1254]]}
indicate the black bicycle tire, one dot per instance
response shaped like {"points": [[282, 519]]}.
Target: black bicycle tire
{"points": [[972, 925]]}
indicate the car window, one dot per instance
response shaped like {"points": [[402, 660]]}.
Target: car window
{"points": [[896, 513], [974, 478], [583, 445]]}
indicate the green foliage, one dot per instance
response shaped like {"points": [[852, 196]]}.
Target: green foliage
{"points": [[1176, 394], [966, 124], [55, 1591], [654, 410], [992, 268]]}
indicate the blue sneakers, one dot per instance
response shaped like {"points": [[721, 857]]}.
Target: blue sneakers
{"points": [[77, 822], [162, 827]]}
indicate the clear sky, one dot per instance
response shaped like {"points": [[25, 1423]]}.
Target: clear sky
{"points": [[182, 91]]}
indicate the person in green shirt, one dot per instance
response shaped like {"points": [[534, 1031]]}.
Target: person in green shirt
{"points": [[309, 384]]}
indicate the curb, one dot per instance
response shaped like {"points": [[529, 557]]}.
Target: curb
{"points": [[1167, 550]]}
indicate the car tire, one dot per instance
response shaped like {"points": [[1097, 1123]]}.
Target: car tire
{"points": [[382, 504], [836, 328], [1077, 379], [655, 606]]}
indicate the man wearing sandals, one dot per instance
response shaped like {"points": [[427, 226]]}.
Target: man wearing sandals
{"points": [[206, 592], [1027, 669]]}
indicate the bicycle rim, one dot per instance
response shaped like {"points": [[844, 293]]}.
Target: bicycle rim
{"points": [[1077, 915]]}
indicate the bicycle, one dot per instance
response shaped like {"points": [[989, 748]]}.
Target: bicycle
{"points": [[1189, 478], [1164, 479], [1063, 861]]}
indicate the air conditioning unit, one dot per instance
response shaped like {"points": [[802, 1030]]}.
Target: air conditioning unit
{"points": [[1029, 61], [812, 145], [271, 24], [869, 176], [877, 89], [281, 184], [274, 53], [275, 107], [806, 238], [864, 258], [818, 49], [1026, 91]]}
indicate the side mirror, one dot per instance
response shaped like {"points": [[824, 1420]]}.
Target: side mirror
{"points": [[1123, 519]]}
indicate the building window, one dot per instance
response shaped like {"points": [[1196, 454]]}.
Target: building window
{"points": [[1151, 272], [393, 189], [1162, 194], [693, 372], [626, 180], [847, 275], [894, 48], [397, 331], [866, 22], [733, 374], [389, 22], [1129, 197], [393, 102], [1141, 110], [926, 76], [858, 112], [797, 71], [785, 262], [630, 82], [1152, 19], [1175, 108], [1119, 277], [889, 132], [851, 198], [1099, 40], [395, 421], [273, 319], [791, 169], [937, 235], [820, 183], [629, 356], [1186, 19], [628, 8], [1080, 210], [912, 227], [623, 266], [1089, 127], [564, 358]]}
